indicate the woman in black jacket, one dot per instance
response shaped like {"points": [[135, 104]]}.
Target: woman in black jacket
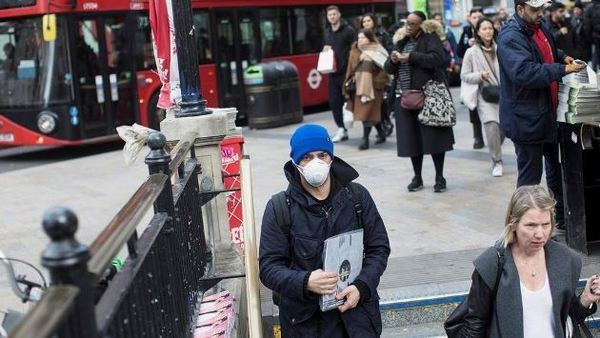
{"points": [[538, 278], [418, 58]]}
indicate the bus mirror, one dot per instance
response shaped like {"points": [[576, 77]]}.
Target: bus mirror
{"points": [[49, 27]]}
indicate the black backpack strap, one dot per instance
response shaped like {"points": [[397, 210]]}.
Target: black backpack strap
{"points": [[352, 190], [281, 205], [500, 261]]}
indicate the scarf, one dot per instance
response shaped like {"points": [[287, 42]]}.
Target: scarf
{"points": [[540, 39], [372, 56]]}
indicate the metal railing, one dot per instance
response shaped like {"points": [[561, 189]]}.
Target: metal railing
{"points": [[157, 291]]}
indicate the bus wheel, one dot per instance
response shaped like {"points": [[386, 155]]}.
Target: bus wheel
{"points": [[155, 114]]}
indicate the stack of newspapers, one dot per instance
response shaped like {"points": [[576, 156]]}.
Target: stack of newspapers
{"points": [[579, 98]]}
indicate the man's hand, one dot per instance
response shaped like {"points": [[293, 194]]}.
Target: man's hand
{"points": [[564, 30], [321, 282], [568, 60], [395, 56], [591, 292], [352, 296], [573, 68]]}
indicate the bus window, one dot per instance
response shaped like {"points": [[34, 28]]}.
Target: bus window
{"points": [[203, 37], [33, 72], [385, 15], [274, 32], [144, 57], [353, 13], [119, 69], [248, 42], [307, 24]]}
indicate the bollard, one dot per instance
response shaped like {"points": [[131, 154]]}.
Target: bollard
{"points": [[66, 259], [158, 162]]}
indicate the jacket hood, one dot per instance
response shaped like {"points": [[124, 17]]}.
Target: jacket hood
{"points": [[428, 27], [433, 26], [342, 172]]}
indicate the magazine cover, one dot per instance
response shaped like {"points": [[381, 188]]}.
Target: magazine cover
{"points": [[343, 254]]}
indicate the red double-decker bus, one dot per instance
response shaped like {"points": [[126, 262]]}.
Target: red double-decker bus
{"points": [[97, 72]]}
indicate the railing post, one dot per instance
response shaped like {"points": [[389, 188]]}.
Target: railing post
{"points": [[158, 162], [66, 259]]}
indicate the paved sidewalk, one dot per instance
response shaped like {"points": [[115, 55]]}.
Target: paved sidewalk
{"points": [[422, 226]]}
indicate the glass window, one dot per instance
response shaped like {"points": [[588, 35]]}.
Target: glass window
{"points": [[16, 3], [385, 15], [144, 57], [33, 71], [203, 37], [353, 13], [274, 32], [307, 26]]}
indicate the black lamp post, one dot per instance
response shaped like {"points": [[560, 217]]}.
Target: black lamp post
{"points": [[192, 101]]}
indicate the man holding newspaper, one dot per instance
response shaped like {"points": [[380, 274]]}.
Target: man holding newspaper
{"points": [[321, 202]]}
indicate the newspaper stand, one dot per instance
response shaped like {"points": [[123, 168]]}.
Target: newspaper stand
{"points": [[231, 154]]}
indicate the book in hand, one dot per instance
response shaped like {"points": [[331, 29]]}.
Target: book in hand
{"points": [[343, 254]]}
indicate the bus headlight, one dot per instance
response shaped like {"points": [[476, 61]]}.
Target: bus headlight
{"points": [[46, 121]]}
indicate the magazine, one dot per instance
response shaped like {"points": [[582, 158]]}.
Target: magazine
{"points": [[343, 254]]}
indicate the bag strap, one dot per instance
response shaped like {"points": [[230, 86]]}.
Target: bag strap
{"points": [[493, 69], [500, 262], [358, 210], [281, 205]]}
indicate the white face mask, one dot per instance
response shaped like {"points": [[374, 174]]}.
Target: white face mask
{"points": [[315, 172]]}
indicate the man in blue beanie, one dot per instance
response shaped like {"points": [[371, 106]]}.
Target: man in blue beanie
{"points": [[321, 201]]}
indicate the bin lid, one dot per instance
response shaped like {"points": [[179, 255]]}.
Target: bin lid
{"points": [[254, 75]]}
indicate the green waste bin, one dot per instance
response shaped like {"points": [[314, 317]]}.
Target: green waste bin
{"points": [[273, 94]]}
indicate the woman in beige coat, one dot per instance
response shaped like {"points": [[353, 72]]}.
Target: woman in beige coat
{"points": [[480, 69], [364, 84]]}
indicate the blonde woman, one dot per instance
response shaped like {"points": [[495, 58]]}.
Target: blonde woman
{"points": [[536, 290], [364, 84], [480, 69]]}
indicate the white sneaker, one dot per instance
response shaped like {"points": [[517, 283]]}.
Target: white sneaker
{"points": [[497, 169], [340, 135]]}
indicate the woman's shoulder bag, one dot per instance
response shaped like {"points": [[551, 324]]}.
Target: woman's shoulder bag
{"points": [[455, 322]]}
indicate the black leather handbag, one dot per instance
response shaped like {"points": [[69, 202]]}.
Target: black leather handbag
{"points": [[491, 94], [453, 325]]}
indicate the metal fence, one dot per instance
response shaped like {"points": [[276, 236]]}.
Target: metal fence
{"points": [[157, 291]]}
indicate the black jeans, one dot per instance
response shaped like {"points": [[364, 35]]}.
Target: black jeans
{"points": [[530, 166], [336, 98]]}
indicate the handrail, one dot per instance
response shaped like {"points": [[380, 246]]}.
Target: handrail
{"points": [[110, 241], [48, 313], [181, 150]]}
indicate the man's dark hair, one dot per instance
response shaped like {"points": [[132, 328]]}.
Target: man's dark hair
{"points": [[478, 25], [420, 14], [475, 10], [333, 7], [556, 6]]}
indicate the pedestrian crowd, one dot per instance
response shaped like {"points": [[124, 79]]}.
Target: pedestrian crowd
{"points": [[508, 67]]}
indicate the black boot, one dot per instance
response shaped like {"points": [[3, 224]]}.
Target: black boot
{"points": [[364, 144], [478, 136], [380, 138]]}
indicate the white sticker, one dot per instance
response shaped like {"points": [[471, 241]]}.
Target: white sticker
{"points": [[314, 79], [573, 137], [114, 87], [99, 88]]}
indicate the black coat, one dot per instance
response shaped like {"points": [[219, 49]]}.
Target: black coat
{"points": [[426, 63], [341, 42], [463, 42], [564, 42], [287, 272]]}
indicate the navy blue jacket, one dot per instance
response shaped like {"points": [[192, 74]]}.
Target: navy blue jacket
{"points": [[287, 272], [526, 114]]}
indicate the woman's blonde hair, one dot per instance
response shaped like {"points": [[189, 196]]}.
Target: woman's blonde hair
{"points": [[525, 198]]}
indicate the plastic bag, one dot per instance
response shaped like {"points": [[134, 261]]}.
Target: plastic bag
{"points": [[348, 117], [135, 137], [326, 63]]}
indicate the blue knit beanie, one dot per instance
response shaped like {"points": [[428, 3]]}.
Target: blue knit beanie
{"points": [[309, 138]]}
